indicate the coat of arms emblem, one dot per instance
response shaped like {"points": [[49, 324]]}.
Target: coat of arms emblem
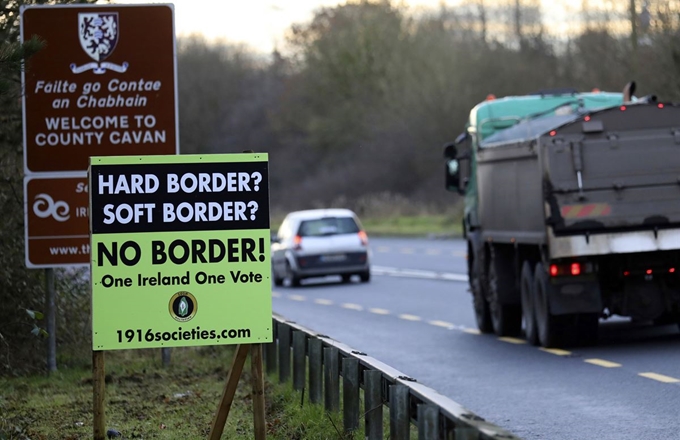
{"points": [[98, 32]]}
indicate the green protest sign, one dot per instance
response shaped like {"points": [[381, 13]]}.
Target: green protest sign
{"points": [[180, 250]]}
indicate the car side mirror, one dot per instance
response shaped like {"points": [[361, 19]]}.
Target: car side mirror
{"points": [[275, 238]]}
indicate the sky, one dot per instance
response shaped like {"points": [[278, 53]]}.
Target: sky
{"points": [[259, 23], [262, 23]]}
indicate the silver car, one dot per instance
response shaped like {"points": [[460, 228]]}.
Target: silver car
{"points": [[320, 242]]}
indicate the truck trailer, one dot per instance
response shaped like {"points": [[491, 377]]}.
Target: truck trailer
{"points": [[572, 212]]}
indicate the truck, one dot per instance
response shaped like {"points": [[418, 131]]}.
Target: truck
{"points": [[572, 212]]}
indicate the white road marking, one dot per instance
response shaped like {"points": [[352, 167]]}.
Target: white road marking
{"points": [[408, 317], [602, 363], [418, 273], [556, 351], [659, 377], [323, 302], [352, 306], [379, 311], [472, 331], [297, 297], [442, 324], [512, 340]]}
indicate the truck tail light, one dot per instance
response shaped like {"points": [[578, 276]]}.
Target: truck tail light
{"points": [[574, 268], [297, 243], [671, 270]]}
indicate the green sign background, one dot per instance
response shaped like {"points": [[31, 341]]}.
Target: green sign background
{"points": [[128, 315]]}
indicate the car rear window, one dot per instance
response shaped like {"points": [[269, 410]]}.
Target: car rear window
{"points": [[328, 226]]}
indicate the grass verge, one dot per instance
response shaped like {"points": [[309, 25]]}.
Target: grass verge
{"points": [[426, 225], [145, 400], [413, 226]]}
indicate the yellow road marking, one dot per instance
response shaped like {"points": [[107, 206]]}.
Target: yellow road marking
{"points": [[602, 363], [383, 249], [410, 317], [352, 306], [556, 351], [276, 294], [379, 311], [433, 252], [324, 302], [659, 377], [406, 251], [472, 331], [441, 324], [297, 297], [512, 340]]}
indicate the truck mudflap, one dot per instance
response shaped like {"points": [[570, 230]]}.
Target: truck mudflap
{"points": [[574, 296], [615, 169], [612, 243]]}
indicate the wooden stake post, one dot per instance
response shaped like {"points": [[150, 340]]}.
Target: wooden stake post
{"points": [[98, 380], [99, 377], [230, 390]]}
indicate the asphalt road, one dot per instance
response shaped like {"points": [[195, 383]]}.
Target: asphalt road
{"points": [[416, 316]]}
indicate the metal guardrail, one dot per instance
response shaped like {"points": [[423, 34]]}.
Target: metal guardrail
{"points": [[435, 416]]}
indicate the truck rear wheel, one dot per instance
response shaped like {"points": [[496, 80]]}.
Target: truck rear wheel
{"points": [[505, 318], [481, 306], [528, 309], [548, 326]]}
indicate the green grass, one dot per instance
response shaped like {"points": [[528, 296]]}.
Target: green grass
{"points": [[405, 225], [413, 226], [145, 400]]}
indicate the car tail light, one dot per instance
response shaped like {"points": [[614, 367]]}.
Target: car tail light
{"points": [[575, 269], [363, 237], [554, 270], [297, 243]]}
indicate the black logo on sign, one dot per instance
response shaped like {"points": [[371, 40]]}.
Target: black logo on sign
{"points": [[183, 306]]}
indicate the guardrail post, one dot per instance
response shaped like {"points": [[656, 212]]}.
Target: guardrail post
{"points": [[299, 360], [400, 419], [373, 404], [465, 433], [284, 352], [270, 351], [332, 379], [428, 422], [315, 370], [350, 393]]}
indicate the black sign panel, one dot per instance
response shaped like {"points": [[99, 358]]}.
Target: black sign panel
{"points": [[179, 197]]}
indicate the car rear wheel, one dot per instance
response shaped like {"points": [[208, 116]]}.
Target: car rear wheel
{"points": [[346, 277], [292, 276], [365, 276]]}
